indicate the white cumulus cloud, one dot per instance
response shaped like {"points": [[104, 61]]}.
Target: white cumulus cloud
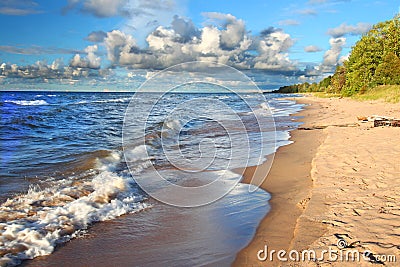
{"points": [[91, 61], [117, 43], [272, 48], [331, 56], [224, 39]]}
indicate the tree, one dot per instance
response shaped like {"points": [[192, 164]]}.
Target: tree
{"points": [[338, 80], [324, 84], [388, 72], [369, 53]]}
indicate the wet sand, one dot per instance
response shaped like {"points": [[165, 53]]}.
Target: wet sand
{"points": [[289, 183], [338, 180]]}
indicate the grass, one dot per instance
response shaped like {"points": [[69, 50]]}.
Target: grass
{"points": [[387, 93]]}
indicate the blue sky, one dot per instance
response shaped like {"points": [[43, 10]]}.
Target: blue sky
{"points": [[306, 39]]}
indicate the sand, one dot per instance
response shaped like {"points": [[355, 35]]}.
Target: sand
{"points": [[338, 180]]}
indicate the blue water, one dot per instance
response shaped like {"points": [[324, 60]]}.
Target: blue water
{"points": [[62, 152], [42, 129]]}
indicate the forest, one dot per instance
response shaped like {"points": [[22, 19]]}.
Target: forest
{"points": [[374, 61]]}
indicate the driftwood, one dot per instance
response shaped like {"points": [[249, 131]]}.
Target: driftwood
{"points": [[380, 120], [387, 122]]}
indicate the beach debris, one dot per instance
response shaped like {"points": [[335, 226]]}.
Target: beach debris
{"points": [[362, 118], [387, 122], [320, 127], [312, 128], [380, 120]]}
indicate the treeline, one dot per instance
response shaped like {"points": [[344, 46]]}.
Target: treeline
{"points": [[373, 61]]}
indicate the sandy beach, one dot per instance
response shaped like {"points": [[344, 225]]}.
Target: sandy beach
{"points": [[337, 181]]}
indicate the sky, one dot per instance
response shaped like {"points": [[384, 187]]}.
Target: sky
{"points": [[65, 42]]}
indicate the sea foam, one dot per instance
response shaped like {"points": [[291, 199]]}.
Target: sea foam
{"points": [[27, 102], [32, 224]]}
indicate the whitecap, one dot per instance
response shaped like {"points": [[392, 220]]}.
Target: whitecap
{"points": [[32, 225], [27, 102]]}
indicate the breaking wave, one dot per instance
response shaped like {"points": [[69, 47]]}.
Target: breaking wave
{"points": [[27, 102], [32, 224]]}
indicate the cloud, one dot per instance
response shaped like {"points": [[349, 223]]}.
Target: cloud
{"points": [[234, 31], [185, 28], [330, 60], [98, 8], [141, 16], [345, 29], [312, 49], [342, 59], [57, 64], [91, 61], [157, 4], [117, 44], [105, 8], [96, 36], [307, 12], [146, 16], [18, 8], [272, 49], [17, 11], [36, 50], [276, 39], [224, 39], [289, 22], [42, 71], [269, 31], [312, 71], [331, 56]]}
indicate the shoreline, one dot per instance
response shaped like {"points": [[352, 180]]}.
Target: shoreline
{"points": [[337, 181], [288, 187]]}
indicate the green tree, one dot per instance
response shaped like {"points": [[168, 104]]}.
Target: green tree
{"points": [[338, 80], [324, 84], [369, 53], [388, 72]]}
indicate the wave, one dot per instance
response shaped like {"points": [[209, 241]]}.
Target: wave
{"points": [[281, 107], [46, 95], [33, 224], [277, 108], [27, 102], [118, 100], [262, 110]]}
